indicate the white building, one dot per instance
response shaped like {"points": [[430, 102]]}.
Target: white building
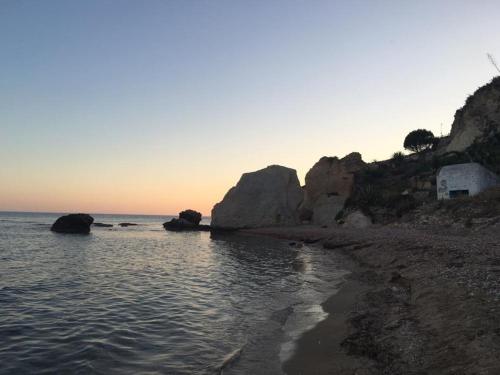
{"points": [[463, 180]]}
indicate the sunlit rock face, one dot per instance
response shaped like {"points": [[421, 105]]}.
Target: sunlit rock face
{"points": [[478, 119], [328, 184], [267, 197]]}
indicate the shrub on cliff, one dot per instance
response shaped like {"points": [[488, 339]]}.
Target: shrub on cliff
{"points": [[419, 140], [398, 158], [486, 152]]}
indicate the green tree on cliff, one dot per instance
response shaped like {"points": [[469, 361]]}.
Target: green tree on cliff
{"points": [[419, 140]]}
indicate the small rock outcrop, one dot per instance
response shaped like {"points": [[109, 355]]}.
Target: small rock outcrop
{"points": [[267, 197], [478, 119], [188, 220], [103, 225], [127, 224], [73, 223], [328, 184]]}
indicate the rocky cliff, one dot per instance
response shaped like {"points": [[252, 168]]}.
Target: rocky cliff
{"points": [[267, 197], [327, 186], [478, 119]]}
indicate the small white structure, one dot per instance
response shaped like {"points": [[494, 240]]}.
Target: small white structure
{"points": [[464, 180]]}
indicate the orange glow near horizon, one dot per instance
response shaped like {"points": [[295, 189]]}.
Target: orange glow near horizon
{"points": [[93, 197]]}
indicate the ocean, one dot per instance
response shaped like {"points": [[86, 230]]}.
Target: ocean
{"points": [[141, 300]]}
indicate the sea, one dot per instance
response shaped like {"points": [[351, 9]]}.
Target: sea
{"points": [[141, 300]]}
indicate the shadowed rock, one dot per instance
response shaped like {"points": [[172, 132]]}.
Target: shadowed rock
{"points": [[268, 197], [357, 219], [73, 223], [126, 224], [328, 184], [188, 220], [102, 225], [192, 216]]}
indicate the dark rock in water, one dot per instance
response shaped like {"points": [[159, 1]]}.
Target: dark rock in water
{"points": [[127, 224], [191, 215], [73, 223], [188, 220], [183, 224], [102, 225]]}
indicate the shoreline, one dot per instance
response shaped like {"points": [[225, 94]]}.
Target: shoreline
{"points": [[417, 301], [318, 351]]}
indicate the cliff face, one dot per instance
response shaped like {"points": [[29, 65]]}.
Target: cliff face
{"points": [[328, 184], [478, 119]]}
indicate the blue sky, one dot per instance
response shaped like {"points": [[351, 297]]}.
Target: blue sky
{"points": [[151, 106]]}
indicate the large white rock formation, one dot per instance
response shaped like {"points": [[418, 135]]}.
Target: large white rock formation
{"points": [[268, 197]]}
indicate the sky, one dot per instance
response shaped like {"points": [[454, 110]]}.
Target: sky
{"points": [[157, 106]]}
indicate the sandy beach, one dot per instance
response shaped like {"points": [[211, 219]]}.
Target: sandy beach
{"points": [[418, 301]]}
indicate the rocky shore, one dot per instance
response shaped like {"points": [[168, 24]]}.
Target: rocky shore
{"points": [[417, 302]]}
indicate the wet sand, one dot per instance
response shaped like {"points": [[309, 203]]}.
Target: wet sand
{"points": [[417, 302], [319, 350]]}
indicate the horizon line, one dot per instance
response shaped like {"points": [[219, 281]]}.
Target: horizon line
{"points": [[90, 213]]}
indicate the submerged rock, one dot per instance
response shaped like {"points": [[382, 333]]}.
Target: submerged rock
{"points": [[102, 225], [183, 224], [127, 224], [73, 223], [267, 197]]}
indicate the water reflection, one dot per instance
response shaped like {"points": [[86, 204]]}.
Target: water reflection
{"points": [[139, 300]]}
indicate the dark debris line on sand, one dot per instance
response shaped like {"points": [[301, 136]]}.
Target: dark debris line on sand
{"points": [[417, 303]]}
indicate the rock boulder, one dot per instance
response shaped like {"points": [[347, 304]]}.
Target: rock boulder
{"points": [[189, 220], [328, 184], [73, 223], [357, 219], [103, 225], [191, 215], [267, 197], [127, 224], [178, 225]]}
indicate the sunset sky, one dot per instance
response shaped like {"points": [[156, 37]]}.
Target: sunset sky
{"points": [[157, 106]]}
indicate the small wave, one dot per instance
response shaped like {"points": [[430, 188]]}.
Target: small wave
{"points": [[229, 359]]}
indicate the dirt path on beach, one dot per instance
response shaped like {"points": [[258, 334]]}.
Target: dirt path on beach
{"points": [[417, 302]]}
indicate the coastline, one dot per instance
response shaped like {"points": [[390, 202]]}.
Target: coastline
{"points": [[417, 301]]}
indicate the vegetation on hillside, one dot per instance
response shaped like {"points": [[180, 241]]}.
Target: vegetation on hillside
{"points": [[419, 140], [389, 189]]}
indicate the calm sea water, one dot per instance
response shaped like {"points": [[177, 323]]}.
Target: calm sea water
{"points": [[140, 300]]}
